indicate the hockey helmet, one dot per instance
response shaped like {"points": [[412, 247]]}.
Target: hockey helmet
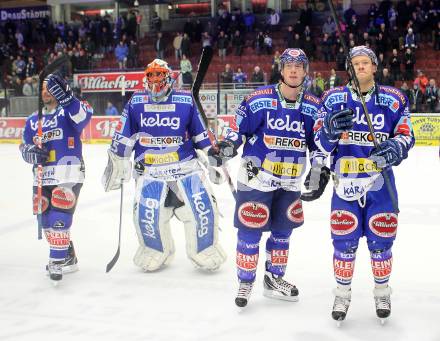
{"points": [[294, 56], [361, 50], [158, 79]]}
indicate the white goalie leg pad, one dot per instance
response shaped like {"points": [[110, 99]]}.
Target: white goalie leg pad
{"points": [[152, 222], [118, 170], [200, 218]]}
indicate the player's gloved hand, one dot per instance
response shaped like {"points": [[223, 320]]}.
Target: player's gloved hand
{"points": [[33, 154], [336, 122], [315, 183], [226, 151], [118, 171], [58, 88], [389, 153]]}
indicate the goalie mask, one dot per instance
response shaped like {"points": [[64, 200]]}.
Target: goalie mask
{"points": [[158, 79]]}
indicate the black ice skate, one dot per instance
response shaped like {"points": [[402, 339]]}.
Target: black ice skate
{"points": [[341, 304], [382, 300], [276, 287], [70, 264], [244, 293], [55, 271]]}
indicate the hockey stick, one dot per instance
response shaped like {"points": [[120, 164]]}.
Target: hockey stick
{"points": [[115, 258], [352, 74], [43, 74], [204, 62]]}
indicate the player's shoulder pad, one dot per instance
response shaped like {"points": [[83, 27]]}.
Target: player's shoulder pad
{"points": [[262, 91], [139, 97], [336, 95], [180, 96], [391, 97]]}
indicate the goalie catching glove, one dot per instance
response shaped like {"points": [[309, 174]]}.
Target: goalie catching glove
{"points": [[118, 170]]}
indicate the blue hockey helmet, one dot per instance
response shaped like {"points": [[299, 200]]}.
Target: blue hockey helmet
{"points": [[361, 50], [294, 56]]}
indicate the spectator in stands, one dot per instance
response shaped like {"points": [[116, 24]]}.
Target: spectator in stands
{"points": [[395, 66], [81, 62], [422, 81], [432, 96], [90, 47], [329, 27], [348, 14], [237, 43], [186, 45], [333, 80], [249, 20], [385, 78], [60, 45], [297, 42], [186, 69], [298, 28], [121, 54], [222, 45], [19, 67], [273, 20], [275, 74], [340, 59], [410, 39], [27, 87], [405, 89], [373, 12], [308, 32], [437, 37], [353, 25], [381, 44], [319, 81], [309, 48], [133, 53], [206, 39], [327, 48], [160, 46], [257, 75], [288, 38], [156, 22], [268, 44], [111, 110], [395, 38], [105, 40], [409, 61], [415, 99], [259, 43], [315, 89], [381, 64], [239, 76], [198, 30], [276, 60], [227, 75], [31, 68]]}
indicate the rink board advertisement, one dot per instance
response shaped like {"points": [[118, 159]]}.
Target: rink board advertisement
{"points": [[101, 128]]}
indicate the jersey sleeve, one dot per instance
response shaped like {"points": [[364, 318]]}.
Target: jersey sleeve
{"points": [[78, 113], [321, 140], [317, 157], [402, 130], [125, 134], [197, 130], [27, 137]]}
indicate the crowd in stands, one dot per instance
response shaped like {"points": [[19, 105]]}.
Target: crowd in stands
{"points": [[396, 31]]}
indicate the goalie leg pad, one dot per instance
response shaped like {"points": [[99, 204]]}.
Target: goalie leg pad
{"points": [[200, 218], [151, 219]]}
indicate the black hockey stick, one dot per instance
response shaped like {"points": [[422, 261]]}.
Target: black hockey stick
{"points": [[352, 74], [205, 60], [56, 64], [115, 258]]}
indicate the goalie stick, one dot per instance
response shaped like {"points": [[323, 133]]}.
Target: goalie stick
{"points": [[56, 64], [115, 258], [205, 60], [352, 74]]}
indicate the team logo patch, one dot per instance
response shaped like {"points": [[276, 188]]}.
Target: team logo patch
{"points": [[335, 98], [181, 99], [295, 212], [343, 270], [357, 165], [155, 159], [361, 138], [284, 143], [71, 142], [343, 222], [166, 141], [138, 99], [58, 239], [263, 103], [247, 262], [388, 101], [63, 198], [309, 110], [159, 107], [384, 224], [279, 257], [283, 168], [44, 204], [253, 214], [382, 269]]}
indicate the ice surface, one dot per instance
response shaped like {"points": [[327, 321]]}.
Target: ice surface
{"points": [[181, 303]]}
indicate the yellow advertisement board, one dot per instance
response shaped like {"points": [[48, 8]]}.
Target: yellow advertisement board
{"points": [[426, 129]]}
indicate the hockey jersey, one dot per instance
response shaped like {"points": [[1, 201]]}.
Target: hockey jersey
{"points": [[162, 135], [277, 135], [354, 172], [62, 128]]}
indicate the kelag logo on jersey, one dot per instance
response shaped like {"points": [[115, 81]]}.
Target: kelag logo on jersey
{"points": [[285, 125], [308, 109], [263, 103], [388, 101], [181, 99], [138, 99], [157, 121], [335, 98]]}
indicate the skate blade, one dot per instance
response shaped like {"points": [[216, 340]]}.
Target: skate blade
{"points": [[383, 321], [277, 296], [338, 324], [55, 283], [67, 269]]}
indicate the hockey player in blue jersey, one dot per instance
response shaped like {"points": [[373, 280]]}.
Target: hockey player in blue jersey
{"points": [[163, 128], [64, 118], [276, 122], [361, 204]]}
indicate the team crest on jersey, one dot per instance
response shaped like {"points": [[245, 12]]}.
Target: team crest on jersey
{"points": [[263, 103], [181, 99], [335, 98], [388, 101], [139, 99]]}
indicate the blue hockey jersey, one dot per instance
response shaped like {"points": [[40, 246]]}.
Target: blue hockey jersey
{"points": [[162, 135], [277, 135], [62, 130], [354, 172]]}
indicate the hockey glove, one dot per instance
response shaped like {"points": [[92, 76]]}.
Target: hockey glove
{"points": [[226, 151], [389, 153], [58, 88], [118, 170], [315, 183], [336, 122], [34, 155]]}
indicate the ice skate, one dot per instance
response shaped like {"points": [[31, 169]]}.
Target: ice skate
{"points": [[70, 264], [340, 305], [276, 287], [382, 301], [244, 293], [55, 271]]}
